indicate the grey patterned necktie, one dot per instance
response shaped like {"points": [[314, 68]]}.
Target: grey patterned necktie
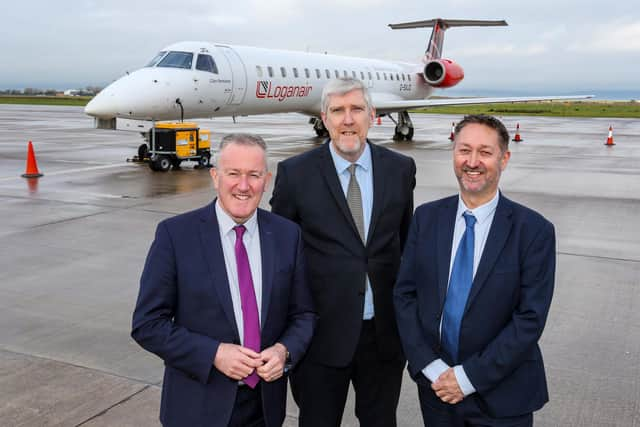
{"points": [[354, 200]]}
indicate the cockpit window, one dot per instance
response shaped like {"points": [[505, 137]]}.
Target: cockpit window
{"points": [[156, 59], [206, 63], [177, 60]]}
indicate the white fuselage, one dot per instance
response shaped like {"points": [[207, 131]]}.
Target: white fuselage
{"points": [[246, 81]]}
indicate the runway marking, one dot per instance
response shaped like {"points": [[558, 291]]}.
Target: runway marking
{"points": [[68, 171]]}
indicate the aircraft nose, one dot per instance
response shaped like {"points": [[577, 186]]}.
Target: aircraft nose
{"points": [[101, 106]]}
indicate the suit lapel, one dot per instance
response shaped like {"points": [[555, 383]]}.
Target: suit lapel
{"points": [[212, 250], [498, 234], [446, 225], [267, 255], [379, 173], [328, 172]]}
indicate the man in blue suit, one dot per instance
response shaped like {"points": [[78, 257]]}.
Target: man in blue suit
{"points": [[224, 301], [474, 291]]}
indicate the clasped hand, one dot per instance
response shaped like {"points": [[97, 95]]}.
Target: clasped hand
{"points": [[238, 362], [446, 387]]}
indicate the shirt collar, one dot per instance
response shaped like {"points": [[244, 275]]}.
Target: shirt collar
{"points": [[342, 164], [482, 212], [226, 223]]}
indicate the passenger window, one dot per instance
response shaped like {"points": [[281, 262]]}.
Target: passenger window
{"points": [[390, 76], [353, 73], [397, 77], [328, 74], [283, 71], [206, 63], [344, 72], [378, 75], [402, 76], [337, 74], [361, 75], [385, 75], [317, 73], [307, 73], [369, 73], [295, 72], [409, 77], [259, 71], [177, 60], [270, 71]]}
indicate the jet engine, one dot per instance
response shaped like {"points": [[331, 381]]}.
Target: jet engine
{"points": [[442, 73]]}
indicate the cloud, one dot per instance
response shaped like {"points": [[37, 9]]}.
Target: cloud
{"points": [[496, 50], [611, 37]]}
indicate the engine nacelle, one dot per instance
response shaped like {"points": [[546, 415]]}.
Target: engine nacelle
{"points": [[442, 73]]}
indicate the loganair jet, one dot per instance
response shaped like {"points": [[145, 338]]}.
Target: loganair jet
{"points": [[189, 80]]}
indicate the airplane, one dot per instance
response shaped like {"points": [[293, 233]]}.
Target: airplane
{"points": [[188, 80]]}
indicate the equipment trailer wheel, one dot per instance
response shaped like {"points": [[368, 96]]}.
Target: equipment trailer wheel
{"points": [[160, 163]]}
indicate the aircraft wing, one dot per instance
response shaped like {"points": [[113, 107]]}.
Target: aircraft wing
{"points": [[388, 106]]}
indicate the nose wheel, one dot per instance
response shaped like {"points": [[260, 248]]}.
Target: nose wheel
{"points": [[318, 126], [404, 127]]}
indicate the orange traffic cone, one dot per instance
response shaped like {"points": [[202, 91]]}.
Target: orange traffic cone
{"points": [[610, 138], [32, 165], [453, 131], [379, 122], [517, 138]]}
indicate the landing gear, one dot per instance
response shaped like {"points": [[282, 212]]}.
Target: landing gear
{"points": [[318, 126], [404, 127]]}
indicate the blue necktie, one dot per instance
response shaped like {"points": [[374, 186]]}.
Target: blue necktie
{"points": [[458, 292]]}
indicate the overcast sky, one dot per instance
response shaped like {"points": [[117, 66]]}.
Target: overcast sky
{"points": [[549, 45]]}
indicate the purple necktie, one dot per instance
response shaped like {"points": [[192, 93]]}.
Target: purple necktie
{"points": [[250, 318]]}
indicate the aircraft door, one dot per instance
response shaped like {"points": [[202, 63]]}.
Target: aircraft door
{"points": [[239, 76]]}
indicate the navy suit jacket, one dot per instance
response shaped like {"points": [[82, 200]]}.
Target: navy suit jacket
{"points": [[506, 310], [184, 311]]}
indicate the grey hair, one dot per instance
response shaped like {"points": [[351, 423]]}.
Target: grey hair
{"points": [[340, 87], [246, 139]]}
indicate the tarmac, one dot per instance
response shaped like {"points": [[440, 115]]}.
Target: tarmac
{"points": [[74, 242]]}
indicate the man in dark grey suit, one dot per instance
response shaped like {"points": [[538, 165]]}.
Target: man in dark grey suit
{"points": [[353, 201]]}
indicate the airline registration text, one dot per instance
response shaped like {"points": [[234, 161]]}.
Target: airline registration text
{"points": [[264, 89]]}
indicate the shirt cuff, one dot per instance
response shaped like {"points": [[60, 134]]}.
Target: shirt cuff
{"points": [[463, 381], [434, 369]]}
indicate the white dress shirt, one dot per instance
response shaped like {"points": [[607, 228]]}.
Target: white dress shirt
{"points": [[251, 240], [484, 218]]}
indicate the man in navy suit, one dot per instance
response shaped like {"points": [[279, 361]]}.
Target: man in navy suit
{"points": [[474, 291], [224, 301]]}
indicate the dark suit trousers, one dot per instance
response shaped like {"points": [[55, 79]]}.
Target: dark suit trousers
{"points": [[321, 391], [467, 413], [247, 409]]}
